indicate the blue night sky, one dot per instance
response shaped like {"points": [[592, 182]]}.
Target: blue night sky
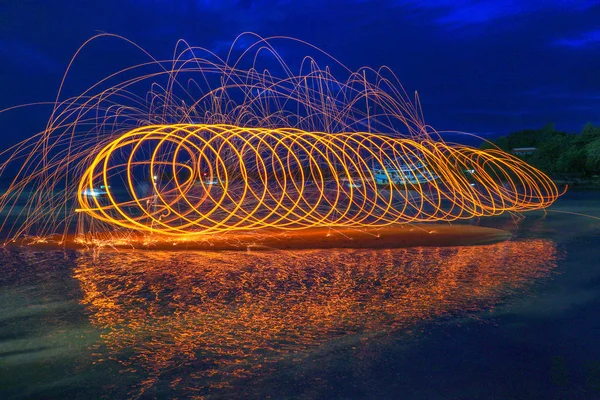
{"points": [[486, 67]]}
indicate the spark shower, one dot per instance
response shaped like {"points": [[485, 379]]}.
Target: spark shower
{"points": [[200, 145]]}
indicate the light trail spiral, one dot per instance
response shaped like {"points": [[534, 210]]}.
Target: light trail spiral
{"points": [[200, 144], [216, 178]]}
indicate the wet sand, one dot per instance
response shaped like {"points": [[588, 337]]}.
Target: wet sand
{"points": [[395, 236]]}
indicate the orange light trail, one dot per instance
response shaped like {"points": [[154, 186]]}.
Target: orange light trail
{"points": [[200, 145], [224, 178]]}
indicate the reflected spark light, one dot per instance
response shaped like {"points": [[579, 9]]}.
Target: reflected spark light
{"points": [[198, 145], [198, 322]]}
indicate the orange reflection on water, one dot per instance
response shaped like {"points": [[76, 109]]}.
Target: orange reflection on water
{"points": [[198, 321]]}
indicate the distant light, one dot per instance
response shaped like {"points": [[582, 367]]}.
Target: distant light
{"points": [[472, 184], [155, 177], [93, 192], [90, 192]]}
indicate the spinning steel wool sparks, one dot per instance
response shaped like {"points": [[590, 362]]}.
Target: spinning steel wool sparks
{"points": [[223, 178], [199, 145]]}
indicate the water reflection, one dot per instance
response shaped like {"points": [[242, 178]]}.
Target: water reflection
{"points": [[193, 322]]}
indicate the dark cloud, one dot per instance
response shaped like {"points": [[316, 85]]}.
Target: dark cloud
{"points": [[26, 57], [473, 12], [583, 40], [479, 66]]}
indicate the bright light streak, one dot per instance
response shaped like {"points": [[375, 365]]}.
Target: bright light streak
{"points": [[264, 175], [246, 143]]}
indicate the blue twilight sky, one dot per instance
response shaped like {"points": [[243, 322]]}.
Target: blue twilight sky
{"points": [[486, 67]]}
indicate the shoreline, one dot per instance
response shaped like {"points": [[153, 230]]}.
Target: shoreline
{"points": [[387, 237]]}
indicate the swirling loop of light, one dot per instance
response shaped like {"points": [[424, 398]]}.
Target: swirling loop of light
{"points": [[217, 178]]}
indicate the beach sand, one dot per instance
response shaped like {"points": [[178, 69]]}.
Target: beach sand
{"points": [[394, 236]]}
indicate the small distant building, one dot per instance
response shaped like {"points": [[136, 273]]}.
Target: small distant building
{"points": [[407, 174], [522, 151]]}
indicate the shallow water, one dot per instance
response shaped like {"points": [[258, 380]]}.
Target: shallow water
{"points": [[517, 319]]}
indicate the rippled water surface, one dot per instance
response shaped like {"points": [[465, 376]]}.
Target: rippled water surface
{"points": [[517, 319]]}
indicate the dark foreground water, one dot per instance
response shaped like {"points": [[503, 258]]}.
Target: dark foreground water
{"points": [[513, 320]]}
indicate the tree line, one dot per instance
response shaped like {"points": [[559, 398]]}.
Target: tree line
{"points": [[557, 153]]}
